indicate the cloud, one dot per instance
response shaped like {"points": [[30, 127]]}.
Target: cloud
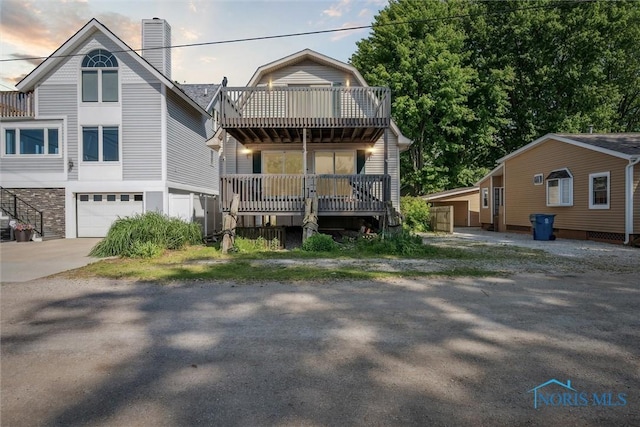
{"points": [[27, 58], [343, 34], [52, 23], [208, 59], [192, 6], [364, 12], [336, 10], [188, 35]]}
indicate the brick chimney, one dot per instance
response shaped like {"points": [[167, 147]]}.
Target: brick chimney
{"points": [[156, 33]]}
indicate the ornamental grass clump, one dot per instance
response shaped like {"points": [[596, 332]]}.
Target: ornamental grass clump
{"points": [[146, 236]]}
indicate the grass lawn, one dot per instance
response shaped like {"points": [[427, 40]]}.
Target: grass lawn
{"points": [[207, 263]]}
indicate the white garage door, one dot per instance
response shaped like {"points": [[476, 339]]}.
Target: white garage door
{"points": [[96, 212]]}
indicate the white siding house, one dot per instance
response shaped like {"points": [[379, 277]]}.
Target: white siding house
{"points": [[306, 126], [107, 133]]}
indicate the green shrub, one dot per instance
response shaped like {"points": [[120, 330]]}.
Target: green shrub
{"points": [[149, 233], [319, 243], [244, 245], [405, 244], [415, 212]]}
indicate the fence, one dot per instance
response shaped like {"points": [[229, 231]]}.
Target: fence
{"points": [[441, 218]]}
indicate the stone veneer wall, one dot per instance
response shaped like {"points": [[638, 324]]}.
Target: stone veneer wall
{"points": [[51, 202]]}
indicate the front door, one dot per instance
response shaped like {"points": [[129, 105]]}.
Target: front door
{"points": [[498, 202]]}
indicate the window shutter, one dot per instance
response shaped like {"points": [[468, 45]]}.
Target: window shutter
{"points": [[360, 160], [257, 162]]}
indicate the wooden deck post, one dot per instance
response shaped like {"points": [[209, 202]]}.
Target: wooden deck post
{"points": [[229, 227], [387, 185], [394, 221], [310, 222]]}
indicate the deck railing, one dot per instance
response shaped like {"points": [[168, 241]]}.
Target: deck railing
{"points": [[16, 104], [286, 194], [317, 107]]}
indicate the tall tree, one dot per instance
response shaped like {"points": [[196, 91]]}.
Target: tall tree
{"points": [[439, 100], [474, 80], [576, 64]]}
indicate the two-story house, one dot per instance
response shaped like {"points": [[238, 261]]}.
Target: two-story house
{"points": [[97, 131], [308, 126]]}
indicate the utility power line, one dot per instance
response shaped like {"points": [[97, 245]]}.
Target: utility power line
{"points": [[309, 33]]}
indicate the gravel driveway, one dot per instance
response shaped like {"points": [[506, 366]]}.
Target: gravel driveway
{"points": [[411, 351], [394, 352]]}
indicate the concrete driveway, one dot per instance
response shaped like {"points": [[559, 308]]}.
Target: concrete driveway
{"points": [[414, 351], [21, 262]]}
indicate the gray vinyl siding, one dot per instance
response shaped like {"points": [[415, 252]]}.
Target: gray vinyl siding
{"points": [[129, 69], [141, 132], [375, 165], [61, 100], [31, 164], [156, 34], [188, 157], [306, 72]]}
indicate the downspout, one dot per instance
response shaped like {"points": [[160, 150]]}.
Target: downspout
{"points": [[628, 226]]}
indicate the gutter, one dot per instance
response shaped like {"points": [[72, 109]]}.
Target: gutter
{"points": [[628, 211]]}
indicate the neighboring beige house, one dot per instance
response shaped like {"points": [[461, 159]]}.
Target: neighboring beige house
{"points": [[465, 203], [308, 125], [589, 181]]}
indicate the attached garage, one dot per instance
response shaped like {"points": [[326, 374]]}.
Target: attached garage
{"points": [[97, 211]]}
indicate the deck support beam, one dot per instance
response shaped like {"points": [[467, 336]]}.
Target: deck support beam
{"points": [[387, 190]]}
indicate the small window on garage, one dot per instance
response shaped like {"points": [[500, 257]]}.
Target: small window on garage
{"points": [[111, 197], [84, 197], [97, 197], [124, 198], [137, 197]]}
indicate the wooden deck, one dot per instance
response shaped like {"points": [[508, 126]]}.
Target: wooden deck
{"points": [[262, 194], [331, 114], [16, 104]]}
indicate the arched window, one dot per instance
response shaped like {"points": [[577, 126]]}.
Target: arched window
{"points": [[99, 77]]}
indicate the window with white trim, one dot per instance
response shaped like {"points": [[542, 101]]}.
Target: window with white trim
{"points": [[100, 144], [99, 77], [27, 140], [599, 190], [560, 188], [538, 179], [485, 198]]}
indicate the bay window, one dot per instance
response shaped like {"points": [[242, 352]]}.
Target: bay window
{"points": [[560, 188]]}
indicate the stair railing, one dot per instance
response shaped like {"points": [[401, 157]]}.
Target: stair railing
{"points": [[20, 210]]}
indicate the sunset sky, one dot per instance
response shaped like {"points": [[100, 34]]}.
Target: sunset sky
{"points": [[31, 28]]}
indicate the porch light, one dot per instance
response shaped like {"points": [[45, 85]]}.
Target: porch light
{"points": [[247, 152], [348, 82], [370, 151]]}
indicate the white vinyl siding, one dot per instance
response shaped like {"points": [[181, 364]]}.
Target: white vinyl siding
{"points": [[306, 72], [188, 157], [141, 132]]}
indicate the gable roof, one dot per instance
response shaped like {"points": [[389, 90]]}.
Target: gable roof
{"points": [[74, 42], [305, 54], [622, 145], [449, 193]]}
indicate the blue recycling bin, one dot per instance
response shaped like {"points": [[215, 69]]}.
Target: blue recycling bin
{"points": [[542, 226]]}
